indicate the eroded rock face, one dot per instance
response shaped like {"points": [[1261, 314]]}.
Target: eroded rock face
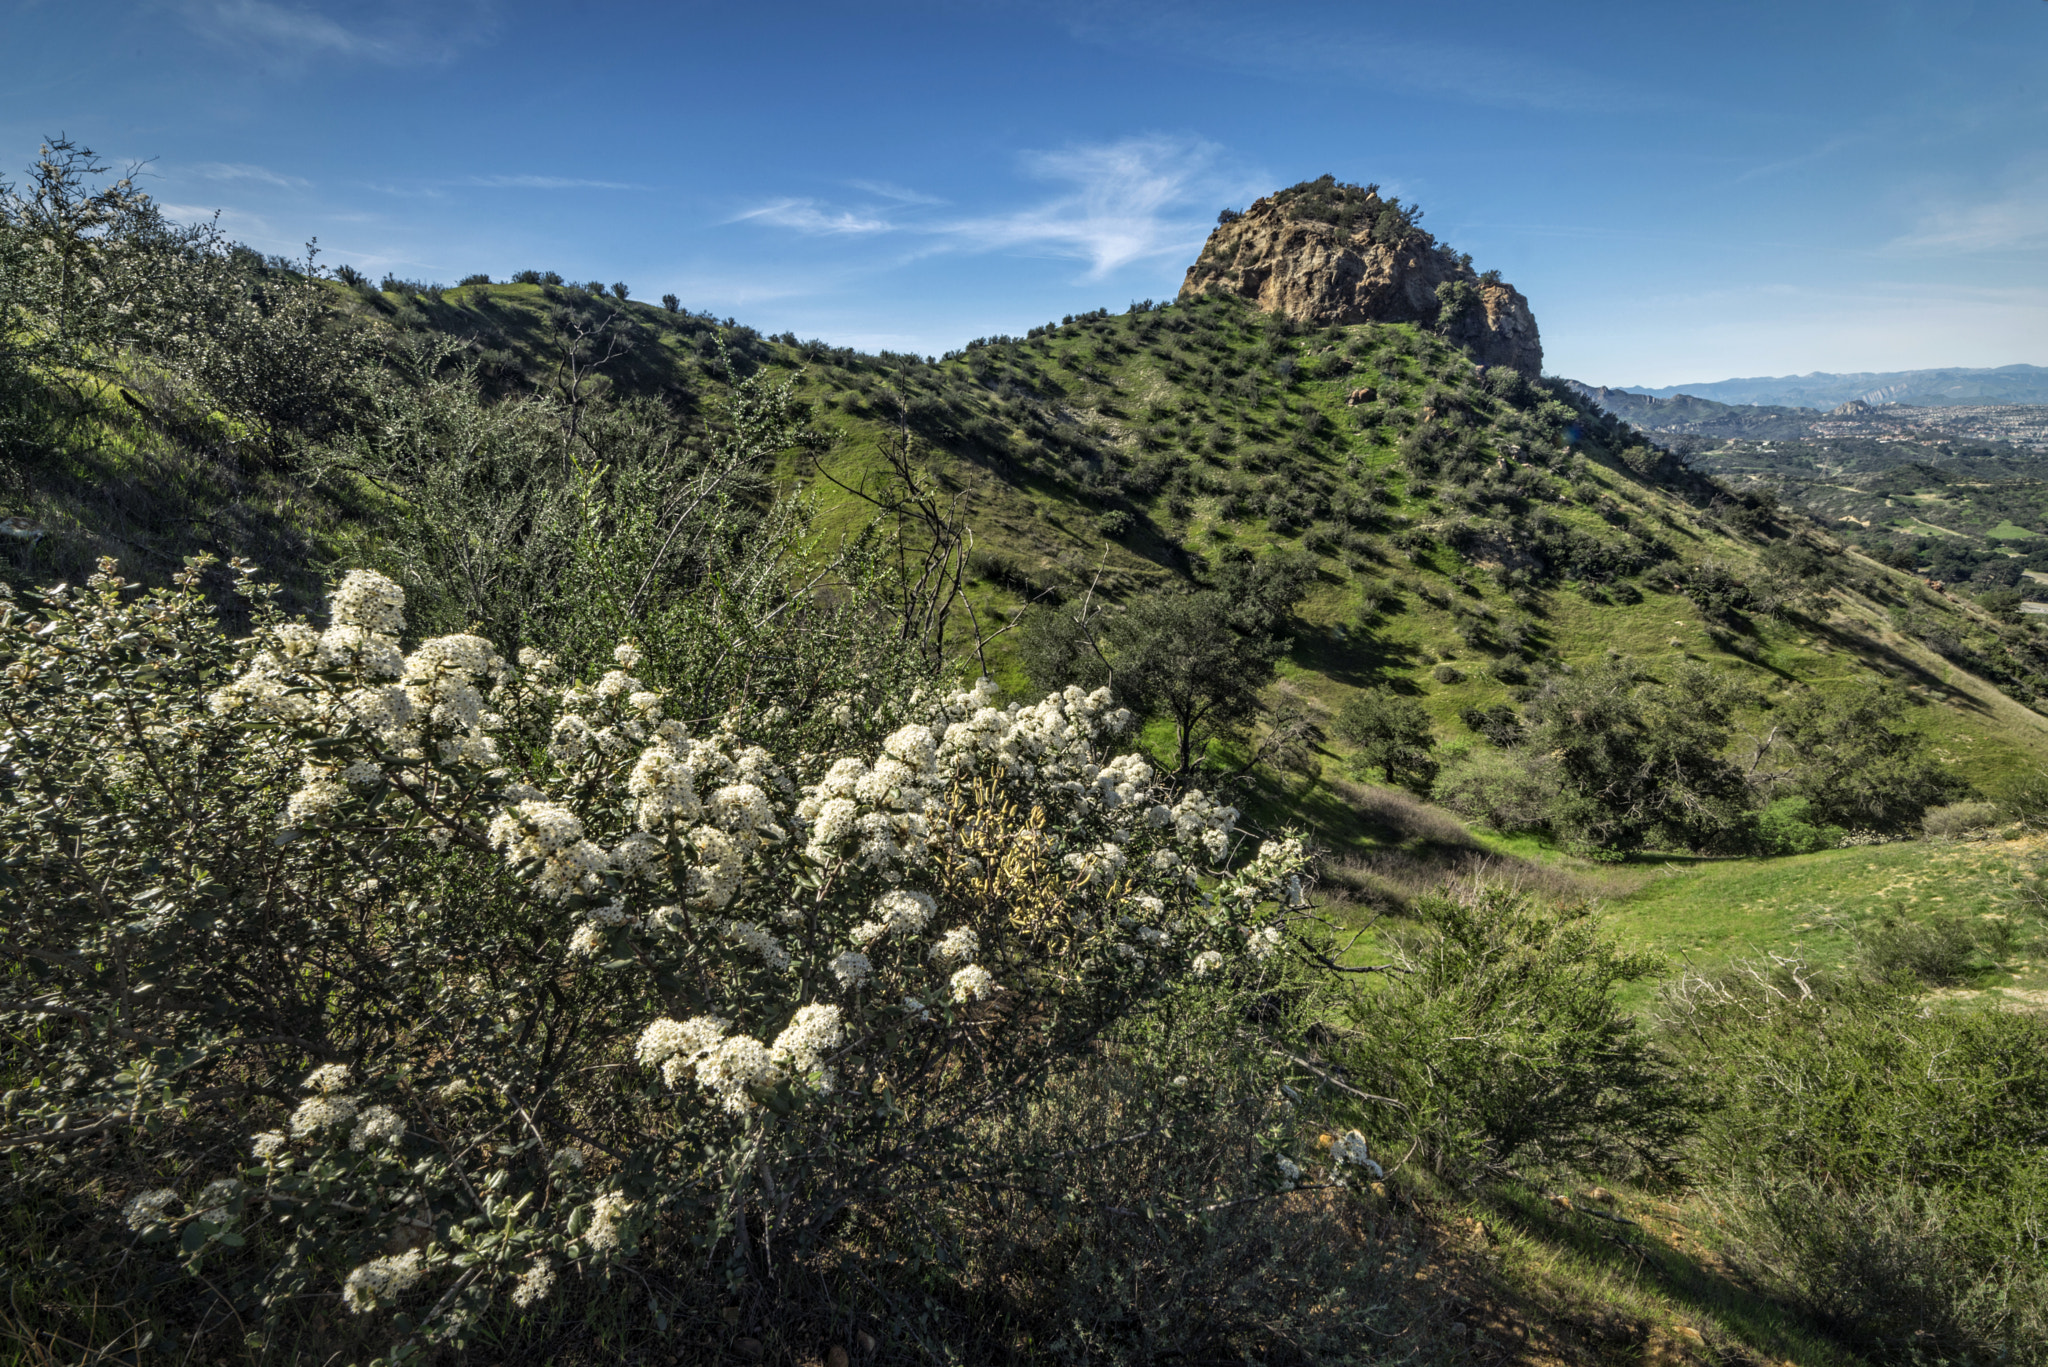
{"points": [[1318, 274]]}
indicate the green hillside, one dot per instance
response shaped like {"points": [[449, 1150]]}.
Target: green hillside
{"points": [[1465, 539]]}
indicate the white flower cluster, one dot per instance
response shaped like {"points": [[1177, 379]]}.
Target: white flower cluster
{"points": [[213, 1200], [731, 1066], [758, 942], [957, 945], [550, 836], [1350, 1150], [609, 1217], [318, 1113], [147, 1208], [381, 1280], [437, 701], [535, 1286], [973, 983], [899, 913], [816, 1029], [377, 1127]]}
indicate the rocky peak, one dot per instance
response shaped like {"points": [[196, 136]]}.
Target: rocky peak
{"points": [[1324, 252]]}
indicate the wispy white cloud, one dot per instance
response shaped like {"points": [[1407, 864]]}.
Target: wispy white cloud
{"points": [[419, 32], [383, 187], [222, 170], [1778, 166], [546, 183], [809, 216], [1129, 201], [2016, 219], [883, 189], [1122, 202]]}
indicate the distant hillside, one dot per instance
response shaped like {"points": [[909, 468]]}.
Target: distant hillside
{"points": [[1708, 417], [1927, 388]]}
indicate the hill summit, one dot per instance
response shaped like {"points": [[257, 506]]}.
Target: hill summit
{"points": [[1326, 252]]}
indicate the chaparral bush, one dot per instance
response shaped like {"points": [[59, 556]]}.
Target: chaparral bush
{"points": [[440, 980]]}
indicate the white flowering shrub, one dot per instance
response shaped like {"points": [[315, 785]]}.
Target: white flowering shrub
{"points": [[429, 977]]}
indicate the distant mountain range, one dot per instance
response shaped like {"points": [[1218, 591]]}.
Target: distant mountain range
{"points": [[2021, 426], [1954, 385]]}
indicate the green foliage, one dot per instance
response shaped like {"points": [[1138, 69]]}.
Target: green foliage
{"points": [[2024, 799], [1886, 1158], [1455, 299], [1786, 826], [1177, 656], [90, 272], [1855, 764], [1392, 734], [1639, 760], [1497, 1043]]}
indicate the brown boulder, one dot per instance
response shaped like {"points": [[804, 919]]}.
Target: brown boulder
{"points": [[1319, 274]]}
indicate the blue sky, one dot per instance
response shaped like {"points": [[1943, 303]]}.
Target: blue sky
{"points": [[1684, 192]]}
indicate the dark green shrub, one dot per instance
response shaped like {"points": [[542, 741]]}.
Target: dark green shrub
{"points": [[1391, 734], [1941, 951], [1185, 1110], [1883, 1160], [1851, 756], [1503, 1043]]}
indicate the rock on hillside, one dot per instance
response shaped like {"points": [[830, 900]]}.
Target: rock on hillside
{"points": [[1321, 271]]}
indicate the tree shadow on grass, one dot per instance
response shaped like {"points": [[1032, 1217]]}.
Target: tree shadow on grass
{"points": [[1647, 1244]]}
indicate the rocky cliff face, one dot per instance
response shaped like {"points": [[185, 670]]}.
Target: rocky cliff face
{"points": [[1320, 273]]}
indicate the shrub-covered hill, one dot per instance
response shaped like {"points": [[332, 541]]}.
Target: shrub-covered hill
{"points": [[1463, 535], [1456, 534]]}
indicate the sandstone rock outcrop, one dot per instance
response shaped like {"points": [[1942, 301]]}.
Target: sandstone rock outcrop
{"points": [[1320, 273]]}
